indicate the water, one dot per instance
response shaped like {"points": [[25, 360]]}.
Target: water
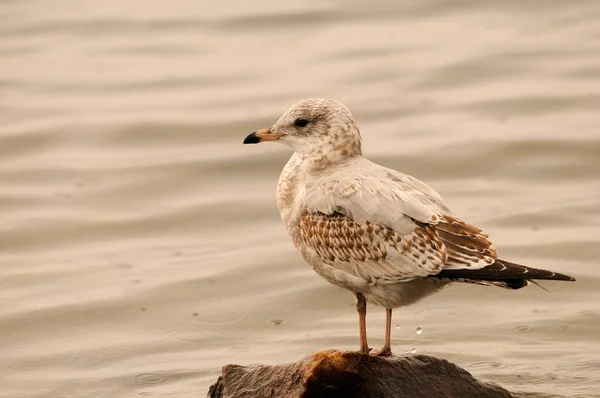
{"points": [[141, 248]]}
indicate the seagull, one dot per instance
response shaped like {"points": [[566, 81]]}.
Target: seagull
{"points": [[385, 236]]}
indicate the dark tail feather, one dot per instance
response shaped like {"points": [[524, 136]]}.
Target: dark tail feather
{"points": [[506, 284], [503, 271]]}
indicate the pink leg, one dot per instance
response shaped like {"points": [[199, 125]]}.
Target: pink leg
{"points": [[386, 350], [361, 307]]}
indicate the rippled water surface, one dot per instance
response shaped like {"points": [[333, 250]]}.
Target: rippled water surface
{"points": [[140, 244]]}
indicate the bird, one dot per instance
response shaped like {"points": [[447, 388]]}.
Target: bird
{"points": [[385, 236]]}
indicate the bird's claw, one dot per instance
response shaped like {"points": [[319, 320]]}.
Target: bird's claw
{"points": [[384, 352]]}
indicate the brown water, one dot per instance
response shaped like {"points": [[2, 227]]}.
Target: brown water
{"points": [[141, 248]]}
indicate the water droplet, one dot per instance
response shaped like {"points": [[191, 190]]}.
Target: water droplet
{"points": [[397, 326], [419, 330], [414, 350]]}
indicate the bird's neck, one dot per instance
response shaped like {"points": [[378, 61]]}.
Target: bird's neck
{"points": [[332, 154]]}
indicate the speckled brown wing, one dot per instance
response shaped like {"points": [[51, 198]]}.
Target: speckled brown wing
{"points": [[466, 245], [472, 259], [376, 253]]}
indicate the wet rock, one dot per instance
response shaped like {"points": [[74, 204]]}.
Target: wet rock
{"points": [[346, 374]]}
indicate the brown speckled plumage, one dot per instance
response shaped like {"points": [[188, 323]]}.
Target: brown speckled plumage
{"points": [[368, 250], [465, 244]]}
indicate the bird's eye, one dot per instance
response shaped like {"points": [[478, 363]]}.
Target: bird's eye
{"points": [[300, 122]]}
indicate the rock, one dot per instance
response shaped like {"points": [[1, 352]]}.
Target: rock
{"points": [[347, 374]]}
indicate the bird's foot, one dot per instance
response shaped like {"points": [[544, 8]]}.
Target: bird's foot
{"points": [[383, 352], [365, 349]]}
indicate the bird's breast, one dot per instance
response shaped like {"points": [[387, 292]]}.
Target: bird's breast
{"points": [[288, 189]]}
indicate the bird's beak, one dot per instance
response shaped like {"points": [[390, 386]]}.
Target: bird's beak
{"points": [[261, 136]]}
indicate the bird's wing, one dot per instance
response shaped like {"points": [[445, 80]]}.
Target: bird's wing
{"points": [[369, 192], [387, 227], [467, 247], [374, 252]]}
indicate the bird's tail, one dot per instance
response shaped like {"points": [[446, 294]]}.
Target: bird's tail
{"points": [[502, 274]]}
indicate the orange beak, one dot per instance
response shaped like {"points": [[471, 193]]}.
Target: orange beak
{"points": [[261, 136]]}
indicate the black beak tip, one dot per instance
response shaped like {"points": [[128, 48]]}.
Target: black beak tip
{"points": [[252, 139]]}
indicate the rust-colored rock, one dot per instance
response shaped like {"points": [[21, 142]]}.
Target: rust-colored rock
{"points": [[335, 374]]}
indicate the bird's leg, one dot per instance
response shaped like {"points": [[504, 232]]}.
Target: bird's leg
{"points": [[361, 307], [386, 350]]}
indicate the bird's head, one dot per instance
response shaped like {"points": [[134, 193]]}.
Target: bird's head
{"points": [[314, 127]]}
